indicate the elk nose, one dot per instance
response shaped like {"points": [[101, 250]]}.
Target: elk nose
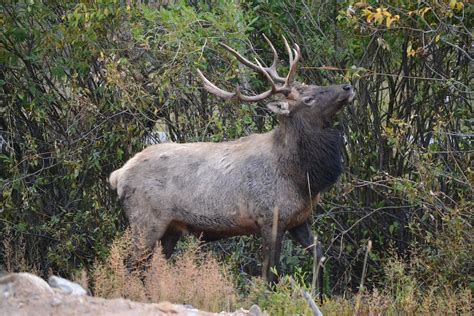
{"points": [[347, 87]]}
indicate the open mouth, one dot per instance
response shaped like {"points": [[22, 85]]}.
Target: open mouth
{"points": [[351, 97], [347, 98]]}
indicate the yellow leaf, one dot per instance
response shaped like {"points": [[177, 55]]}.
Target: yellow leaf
{"points": [[459, 6], [424, 10], [388, 22], [437, 38], [367, 13], [386, 13], [378, 16], [452, 4], [369, 16]]}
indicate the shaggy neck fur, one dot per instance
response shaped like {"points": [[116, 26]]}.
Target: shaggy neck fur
{"points": [[311, 151]]}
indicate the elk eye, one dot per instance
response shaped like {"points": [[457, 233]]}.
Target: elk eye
{"points": [[308, 100]]}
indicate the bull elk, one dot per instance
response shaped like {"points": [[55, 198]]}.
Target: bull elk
{"points": [[263, 184]]}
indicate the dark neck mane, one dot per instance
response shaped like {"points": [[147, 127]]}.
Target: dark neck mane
{"points": [[310, 152]]}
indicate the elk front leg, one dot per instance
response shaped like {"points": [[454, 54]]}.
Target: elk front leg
{"points": [[303, 235]]}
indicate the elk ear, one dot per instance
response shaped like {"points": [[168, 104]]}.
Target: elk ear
{"points": [[279, 107]]}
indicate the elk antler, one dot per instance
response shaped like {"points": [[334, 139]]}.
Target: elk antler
{"points": [[270, 73]]}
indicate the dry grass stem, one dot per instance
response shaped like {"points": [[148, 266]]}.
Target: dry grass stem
{"points": [[152, 278]]}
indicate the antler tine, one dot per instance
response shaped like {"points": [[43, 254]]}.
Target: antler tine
{"points": [[275, 89], [288, 49], [214, 89], [267, 75], [241, 58], [291, 73], [209, 86], [255, 98], [272, 70], [275, 53]]}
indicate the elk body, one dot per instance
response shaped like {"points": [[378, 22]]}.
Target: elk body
{"points": [[262, 184]]}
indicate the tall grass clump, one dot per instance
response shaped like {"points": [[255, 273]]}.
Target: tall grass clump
{"points": [[134, 273]]}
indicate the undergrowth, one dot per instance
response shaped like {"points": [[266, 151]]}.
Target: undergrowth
{"points": [[193, 276]]}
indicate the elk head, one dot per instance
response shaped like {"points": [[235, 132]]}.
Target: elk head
{"points": [[316, 103]]}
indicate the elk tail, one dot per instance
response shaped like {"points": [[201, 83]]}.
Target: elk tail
{"points": [[113, 179]]}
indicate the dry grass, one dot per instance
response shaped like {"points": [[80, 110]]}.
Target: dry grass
{"points": [[81, 278], [197, 278], [13, 251], [379, 303], [193, 277]]}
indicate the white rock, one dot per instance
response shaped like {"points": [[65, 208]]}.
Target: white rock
{"points": [[66, 286]]}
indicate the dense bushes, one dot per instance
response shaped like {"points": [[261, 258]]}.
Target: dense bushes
{"points": [[82, 87], [84, 84]]}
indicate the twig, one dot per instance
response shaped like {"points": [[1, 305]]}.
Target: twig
{"points": [[271, 258], [318, 263], [315, 266], [364, 271], [274, 234], [320, 266], [372, 72], [312, 303]]}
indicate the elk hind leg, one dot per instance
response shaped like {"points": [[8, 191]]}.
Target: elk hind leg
{"points": [[170, 239], [147, 231]]}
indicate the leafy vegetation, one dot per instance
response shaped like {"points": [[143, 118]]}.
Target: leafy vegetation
{"points": [[85, 85]]}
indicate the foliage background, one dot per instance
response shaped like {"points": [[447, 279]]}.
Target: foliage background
{"points": [[85, 85]]}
